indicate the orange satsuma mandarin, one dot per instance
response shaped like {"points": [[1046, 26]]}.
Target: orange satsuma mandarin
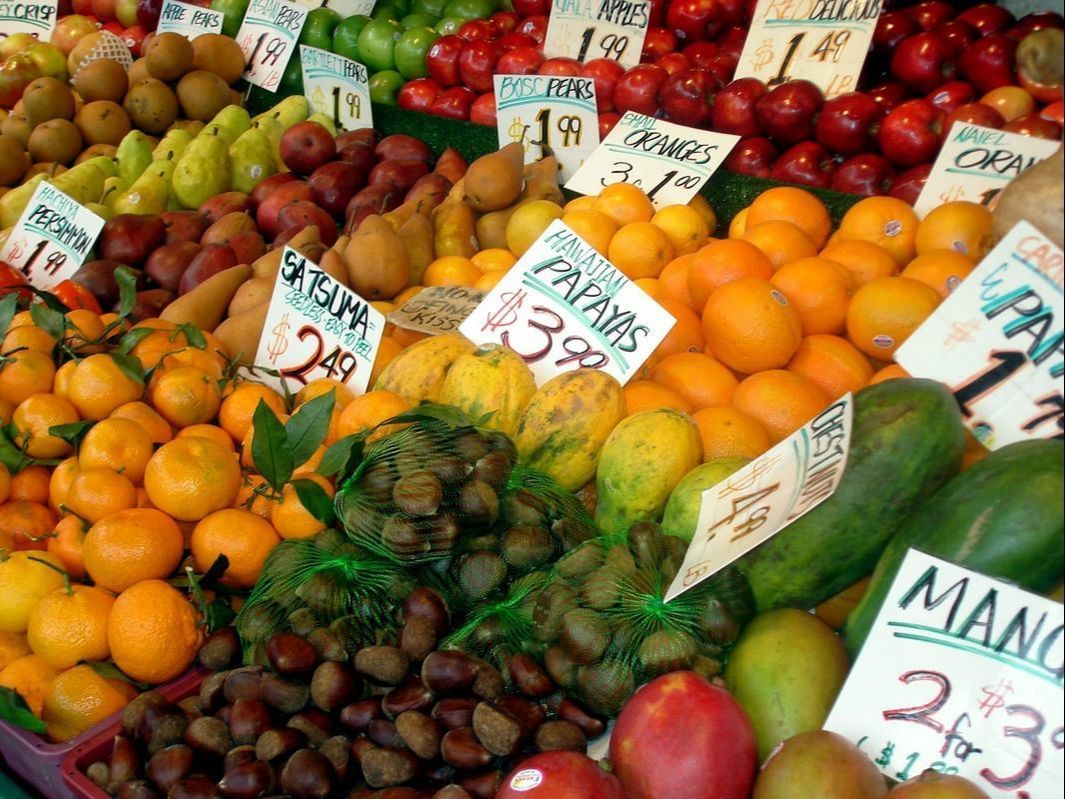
{"points": [[25, 577], [7, 410], [61, 383], [26, 523], [70, 625], [409, 293], [27, 337], [832, 363], [579, 204], [21, 319], [594, 227], [190, 477], [674, 279], [29, 677], [12, 647], [211, 431], [5, 484], [59, 482], [68, 544], [751, 326], [794, 205], [31, 484], [25, 373], [151, 349], [406, 337], [885, 221], [651, 287], [624, 203], [702, 206], [890, 372], [451, 270], [79, 698], [780, 401], [212, 364], [99, 492], [157, 428], [640, 249], [99, 385], [738, 226], [685, 336], [119, 444], [342, 395], [728, 433], [289, 516], [489, 280], [83, 331], [369, 410], [885, 312], [819, 290], [698, 378], [388, 349], [961, 226], [33, 419], [645, 395], [493, 259], [185, 396], [237, 409], [943, 270], [153, 632], [780, 241], [863, 260], [685, 228], [721, 262], [243, 537], [255, 495]]}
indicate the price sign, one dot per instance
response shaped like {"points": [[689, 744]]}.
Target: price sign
{"points": [[976, 163], [563, 306], [588, 29], [188, 20], [268, 37], [52, 237], [317, 327], [961, 674], [437, 309], [35, 17], [669, 162], [336, 86], [346, 8], [997, 342], [758, 501], [821, 41], [549, 115]]}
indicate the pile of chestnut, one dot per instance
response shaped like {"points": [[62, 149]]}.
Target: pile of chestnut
{"points": [[398, 720]]}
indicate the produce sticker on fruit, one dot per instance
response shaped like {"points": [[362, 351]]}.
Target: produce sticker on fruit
{"points": [[317, 327], [336, 86], [756, 502], [822, 41], [188, 20], [35, 17], [550, 115], [962, 674], [669, 162], [52, 238], [976, 163], [563, 306], [437, 309], [268, 37], [590, 29], [998, 342]]}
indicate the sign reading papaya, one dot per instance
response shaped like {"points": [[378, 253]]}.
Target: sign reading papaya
{"points": [[336, 86], [998, 341], [437, 309], [268, 37], [35, 17], [960, 674], [549, 115], [563, 306], [317, 327], [589, 29], [822, 41], [189, 20], [52, 237], [976, 163], [758, 501]]}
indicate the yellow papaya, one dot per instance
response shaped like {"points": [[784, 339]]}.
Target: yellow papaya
{"points": [[418, 372], [492, 379]]}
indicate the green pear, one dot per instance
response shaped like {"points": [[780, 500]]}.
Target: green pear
{"points": [[293, 109], [325, 121], [14, 202], [112, 188], [229, 123], [101, 210], [202, 172], [134, 153], [274, 130], [148, 195], [84, 182], [251, 160], [172, 145]]}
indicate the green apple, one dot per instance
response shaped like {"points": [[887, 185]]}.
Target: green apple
{"points": [[418, 20], [432, 7], [346, 36], [388, 11], [319, 27], [384, 86], [292, 78], [411, 50], [449, 25], [377, 44], [234, 14], [469, 9]]}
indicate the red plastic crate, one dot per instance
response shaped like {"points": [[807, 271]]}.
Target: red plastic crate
{"points": [[36, 760]]}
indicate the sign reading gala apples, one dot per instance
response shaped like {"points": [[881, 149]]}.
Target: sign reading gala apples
{"points": [[268, 37], [336, 86], [35, 17], [188, 20], [590, 29]]}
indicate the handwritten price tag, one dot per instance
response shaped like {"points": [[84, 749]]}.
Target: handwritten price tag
{"points": [[563, 306], [821, 41], [669, 162], [976, 163], [336, 86], [268, 37], [997, 342], [437, 309], [188, 20], [755, 503], [548, 115], [961, 674], [52, 237], [584, 29], [317, 327], [35, 17]]}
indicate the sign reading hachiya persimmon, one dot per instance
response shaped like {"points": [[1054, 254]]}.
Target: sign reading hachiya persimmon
{"points": [[317, 327], [758, 501], [268, 37]]}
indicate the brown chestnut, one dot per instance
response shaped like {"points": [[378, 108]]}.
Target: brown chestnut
{"points": [[386, 665], [133, 713], [161, 725], [247, 781], [209, 736], [212, 692], [498, 731], [427, 603], [483, 786], [279, 743], [248, 719], [419, 733], [333, 685], [313, 723], [383, 767], [418, 638], [570, 711], [529, 714], [244, 753], [357, 716], [169, 766], [448, 672], [383, 733], [291, 655], [196, 788], [136, 789], [411, 694], [125, 763], [282, 695], [244, 683], [528, 677], [454, 712], [307, 775], [338, 751], [451, 792], [560, 735], [220, 649], [461, 749]]}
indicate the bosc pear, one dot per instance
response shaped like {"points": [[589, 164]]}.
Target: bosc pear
{"points": [[378, 263], [494, 181]]}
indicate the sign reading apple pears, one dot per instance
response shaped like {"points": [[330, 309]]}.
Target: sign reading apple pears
{"points": [[268, 37], [564, 306], [188, 20], [337, 87], [590, 29], [35, 17], [317, 327]]}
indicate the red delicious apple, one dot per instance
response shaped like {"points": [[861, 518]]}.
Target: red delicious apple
{"points": [[306, 146], [686, 96], [418, 94], [637, 89], [476, 62], [673, 63], [305, 212], [987, 18], [733, 110], [951, 95], [754, 156], [960, 34], [605, 72], [559, 775], [131, 238], [848, 123], [442, 60], [988, 63], [711, 755], [1030, 22], [924, 61], [907, 185], [268, 210], [454, 103], [909, 134], [931, 14], [229, 202], [695, 20], [400, 145], [508, 41], [134, 37], [973, 113], [699, 53], [505, 22], [208, 262], [657, 43], [334, 185], [363, 136], [891, 28], [148, 13], [534, 26], [531, 8], [1034, 125], [786, 112], [519, 61], [807, 162], [607, 121], [483, 110], [888, 95], [402, 173], [184, 225], [359, 155], [566, 67], [477, 30], [866, 174]]}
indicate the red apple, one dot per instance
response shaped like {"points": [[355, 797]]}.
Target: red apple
{"points": [[699, 53], [306, 146], [695, 20], [16, 73], [104, 10], [1034, 125], [402, 173], [657, 43], [951, 95], [483, 110], [505, 22], [134, 37], [686, 96], [931, 14], [534, 26], [605, 72], [305, 212], [148, 13], [508, 41], [723, 66], [866, 174], [228, 202], [559, 775], [848, 123], [711, 755], [754, 156], [400, 145], [974, 114], [70, 30], [477, 30], [987, 18], [891, 28], [454, 103], [988, 63], [637, 89], [786, 112], [807, 162], [673, 63], [924, 61], [888, 95], [83, 7], [566, 67], [960, 34], [418, 94], [442, 60], [334, 185], [909, 134], [519, 61], [267, 212], [607, 121], [1033, 22], [531, 8], [656, 15], [266, 187], [907, 185], [733, 110]]}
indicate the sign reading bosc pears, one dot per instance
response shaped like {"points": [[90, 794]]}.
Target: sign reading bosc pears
{"points": [[563, 306], [268, 37], [35, 17], [756, 502], [976, 163], [589, 29], [961, 674], [670, 162], [336, 86], [188, 20], [317, 327], [998, 341], [548, 114], [52, 237], [822, 41]]}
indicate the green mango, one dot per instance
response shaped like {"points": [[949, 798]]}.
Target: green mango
{"points": [[325, 121], [14, 202], [230, 122], [202, 172], [251, 160], [172, 145], [134, 153]]}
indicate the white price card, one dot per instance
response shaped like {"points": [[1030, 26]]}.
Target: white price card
{"points": [[976, 163], [548, 114], [822, 41], [437, 309], [590, 29], [268, 37], [996, 341], [962, 674], [755, 503], [35, 17], [336, 86], [317, 327], [669, 162], [563, 306], [52, 237], [188, 20]]}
